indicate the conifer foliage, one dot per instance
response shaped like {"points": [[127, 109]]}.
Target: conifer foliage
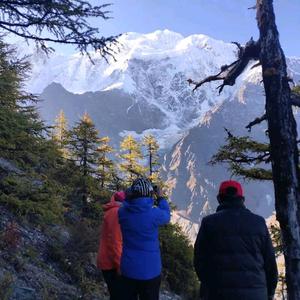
{"points": [[60, 134], [58, 21], [131, 156], [106, 168], [246, 157], [152, 156], [29, 180], [84, 142]]}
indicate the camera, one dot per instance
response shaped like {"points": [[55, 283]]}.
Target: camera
{"points": [[155, 188]]}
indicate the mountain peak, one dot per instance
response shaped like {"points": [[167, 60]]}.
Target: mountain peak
{"points": [[78, 75]]}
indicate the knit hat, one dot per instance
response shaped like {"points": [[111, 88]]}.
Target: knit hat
{"points": [[142, 187], [119, 196], [232, 188]]}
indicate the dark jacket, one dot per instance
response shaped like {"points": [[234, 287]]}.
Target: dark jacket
{"points": [[234, 257], [140, 221]]}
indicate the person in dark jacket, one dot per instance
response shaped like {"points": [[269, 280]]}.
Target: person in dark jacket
{"points": [[141, 259], [234, 257]]}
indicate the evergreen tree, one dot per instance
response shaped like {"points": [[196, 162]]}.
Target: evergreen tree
{"points": [[106, 168], [152, 148], [296, 90], [246, 157], [19, 123], [131, 156], [60, 133], [25, 148], [84, 142]]}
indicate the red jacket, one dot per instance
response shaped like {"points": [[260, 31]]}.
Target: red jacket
{"points": [[110, 248]]}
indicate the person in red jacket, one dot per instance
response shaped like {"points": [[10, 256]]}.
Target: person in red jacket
{"points": [[110, 247]]}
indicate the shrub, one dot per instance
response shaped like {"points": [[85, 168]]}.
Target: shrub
{"points": [[177, 259]]}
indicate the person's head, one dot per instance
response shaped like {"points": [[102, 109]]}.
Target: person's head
{"points": [[230, 192], [141, 187], [119, 196]]}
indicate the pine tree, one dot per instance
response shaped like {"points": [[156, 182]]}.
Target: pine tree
{"points": [[246, 157], [60, 133], [131, 156], [19, 123], [84, 142], [106, 167], [152, 156], [25, 146]]}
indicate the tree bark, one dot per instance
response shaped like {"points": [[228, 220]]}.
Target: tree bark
{"points": [[283, 142]]}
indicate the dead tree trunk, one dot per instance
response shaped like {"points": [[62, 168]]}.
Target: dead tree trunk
{"points": [[283, 142], [282, 131]]}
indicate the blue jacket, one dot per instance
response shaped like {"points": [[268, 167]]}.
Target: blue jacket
{"points": [[140, 221]]}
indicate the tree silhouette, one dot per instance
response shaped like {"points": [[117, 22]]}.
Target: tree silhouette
{"points": [[57, 21]]}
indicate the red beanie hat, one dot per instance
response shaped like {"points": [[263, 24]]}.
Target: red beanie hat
{"points": [[231, 183]]}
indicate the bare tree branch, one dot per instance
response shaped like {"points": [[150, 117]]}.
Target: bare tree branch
{"points": [[295, 99], [229, 73], [256, 121], [258, 64], [230, 135], [253, 7]]}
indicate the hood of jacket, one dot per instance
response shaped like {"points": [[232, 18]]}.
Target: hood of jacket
{"points": [[139, 204], [111, 204]]}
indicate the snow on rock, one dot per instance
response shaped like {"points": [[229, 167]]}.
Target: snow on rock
{"points": [[272, 222], [153, 68], [189, 227]]}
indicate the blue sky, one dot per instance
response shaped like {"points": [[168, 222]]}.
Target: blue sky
{"points": [[229, 20]]}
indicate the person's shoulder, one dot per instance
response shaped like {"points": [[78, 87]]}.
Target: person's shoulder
{"points": [[210, 218], [256, 222], [255, 217]]}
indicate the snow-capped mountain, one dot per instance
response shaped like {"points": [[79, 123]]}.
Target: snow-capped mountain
{"points": [[153, 70], [145, 90]]}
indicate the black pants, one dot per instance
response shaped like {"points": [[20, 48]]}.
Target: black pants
{"points": [[133, 289], [112, 280]]}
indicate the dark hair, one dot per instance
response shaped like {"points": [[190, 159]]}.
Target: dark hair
{"points": [[231, 191]]}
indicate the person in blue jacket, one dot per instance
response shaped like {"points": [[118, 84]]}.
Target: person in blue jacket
{"points": [[141, 259]]}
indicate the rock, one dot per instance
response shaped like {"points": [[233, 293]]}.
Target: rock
{"points": [[165, 295], [23, 293]]}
